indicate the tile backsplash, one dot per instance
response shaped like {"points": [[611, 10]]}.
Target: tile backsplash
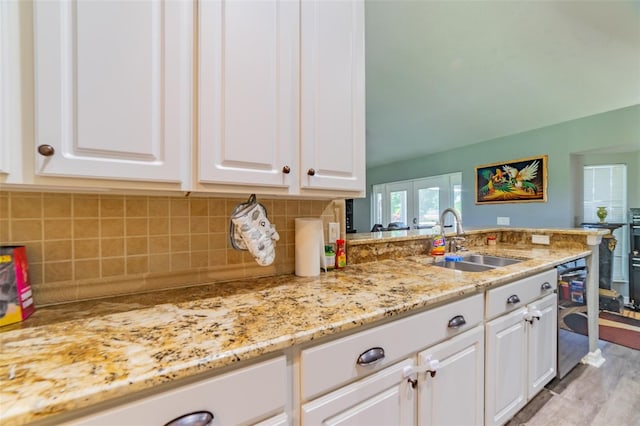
{"points": [[83, 246]]}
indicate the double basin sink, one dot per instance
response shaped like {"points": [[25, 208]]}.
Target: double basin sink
{"points": [[477, 263]]}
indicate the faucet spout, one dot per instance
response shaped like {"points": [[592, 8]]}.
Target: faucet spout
{"points": [[456, 216]]}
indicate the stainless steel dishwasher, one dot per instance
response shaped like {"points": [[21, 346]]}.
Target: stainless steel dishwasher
{"points": [[573, 339]]}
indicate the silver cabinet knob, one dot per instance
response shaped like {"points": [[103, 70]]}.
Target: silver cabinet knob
{"points": [[46, 150]]}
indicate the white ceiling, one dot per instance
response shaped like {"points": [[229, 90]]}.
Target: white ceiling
{"points": [[445, 74]]}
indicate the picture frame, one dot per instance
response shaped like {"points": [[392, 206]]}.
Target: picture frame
{"points": [[523, 180]]}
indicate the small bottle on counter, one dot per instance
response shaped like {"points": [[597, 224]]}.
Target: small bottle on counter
{"points": [[438, 243], [329, 257], [341, 255], [491, 240]]}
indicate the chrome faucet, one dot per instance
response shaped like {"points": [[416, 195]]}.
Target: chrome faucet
{"points": [[459, 239]]}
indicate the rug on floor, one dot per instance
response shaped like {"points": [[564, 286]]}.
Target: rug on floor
{"points": [[615, 328]]}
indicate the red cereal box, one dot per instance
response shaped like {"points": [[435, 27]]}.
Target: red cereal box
{"points": [[16, 300]]}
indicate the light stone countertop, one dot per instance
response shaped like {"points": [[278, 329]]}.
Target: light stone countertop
{"points": [[72, 356]]}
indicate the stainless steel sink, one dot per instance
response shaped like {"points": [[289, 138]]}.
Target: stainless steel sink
{"points": [[478, 263], [489, 260], [464, 266]]}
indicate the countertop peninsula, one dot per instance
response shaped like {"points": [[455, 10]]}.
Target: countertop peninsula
{"points": [[71, 356]]}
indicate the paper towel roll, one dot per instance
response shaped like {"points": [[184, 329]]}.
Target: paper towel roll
{"points": [[309, 242]]}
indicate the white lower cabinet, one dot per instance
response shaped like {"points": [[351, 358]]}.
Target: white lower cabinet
{"points": [[385, 398], [256, 394], [521, 345], [383, 376], [454, 393]]}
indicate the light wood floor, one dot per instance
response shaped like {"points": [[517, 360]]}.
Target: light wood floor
{"points": [[607, 396]]}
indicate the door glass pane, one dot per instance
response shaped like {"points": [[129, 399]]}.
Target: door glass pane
{"points": [[398, 206], [428, 205], [457, 198], [378, 208]]}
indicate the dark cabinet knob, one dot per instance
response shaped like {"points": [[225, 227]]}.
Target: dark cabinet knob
{"points": [[46, 150], [286, 170], [311, 172]]}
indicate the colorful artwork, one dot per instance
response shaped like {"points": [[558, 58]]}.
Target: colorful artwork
{"points": [[522, 180]]}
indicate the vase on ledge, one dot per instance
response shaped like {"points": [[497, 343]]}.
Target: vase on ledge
{"points": [[601, 213]]}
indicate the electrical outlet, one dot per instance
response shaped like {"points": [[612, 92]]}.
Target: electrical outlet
{"points": [[540, 239], [503, 220], [334, 232]]}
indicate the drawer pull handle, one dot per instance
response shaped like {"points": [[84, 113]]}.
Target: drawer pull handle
{"points": [[371, 356], [199, 418], [546, 286], [513, 299], [457, 321]]}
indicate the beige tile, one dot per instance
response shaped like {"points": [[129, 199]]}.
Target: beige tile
{"points": [[161, 244], [86, 228], [179, 243], [234, 257], [136, 245], [111, 228], [136, 227], [136, 207], [279, 208], [158, 226], [57, 205], [36, 271], [199, 259], [179, 225], [217, 207], [57, 229], [199, 225], [4, 230], [86, 249], [292, 208], [159, 263], [199, 242], [111, 206], [112, 247], [57, 250], [199, 207], [86, 269], [112, 266], [180, 261], [179, 207], [27, 206], [218, 257], [305, 208], [218, 240], [58, 271], [218, 224], [158, 207], [4, 206], [85, 205], [231, 204], [137, 264], [35, 252]]}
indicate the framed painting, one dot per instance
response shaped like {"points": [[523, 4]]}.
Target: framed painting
{"points": [[516, 181]]}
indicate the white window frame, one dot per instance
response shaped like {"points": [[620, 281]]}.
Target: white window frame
{"points": [[617, 208], [449, 185]]}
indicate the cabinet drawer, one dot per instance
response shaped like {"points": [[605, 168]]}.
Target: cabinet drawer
{"points": [[501, 299], [242, 396], [332, 364]]}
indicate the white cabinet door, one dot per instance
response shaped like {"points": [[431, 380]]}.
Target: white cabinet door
{"points": [[458, 382], [384, 398], [506, 367], [542, 351], [248, 92], [113, 88], [332, 95]]}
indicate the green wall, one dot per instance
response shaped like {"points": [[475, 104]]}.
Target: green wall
{"points": [[561, 142]]}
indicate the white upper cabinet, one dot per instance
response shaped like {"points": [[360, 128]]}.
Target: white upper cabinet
{"points": [[281, 95], [248, 92], [113, 88], [332, 95]]}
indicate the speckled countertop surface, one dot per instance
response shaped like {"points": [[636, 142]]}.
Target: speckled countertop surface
{"points": [[71, 356]]}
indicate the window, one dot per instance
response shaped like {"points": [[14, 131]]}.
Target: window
{"points": [[417, 202], [606, 185]]}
